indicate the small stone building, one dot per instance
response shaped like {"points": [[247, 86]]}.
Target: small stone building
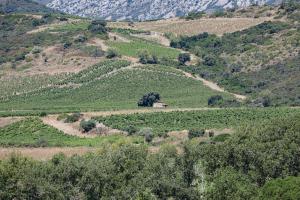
{"points": [[160, 105]]}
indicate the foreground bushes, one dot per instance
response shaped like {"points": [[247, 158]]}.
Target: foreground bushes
{"points": [[248, 165]]}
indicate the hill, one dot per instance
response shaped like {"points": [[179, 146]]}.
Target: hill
{"points": [[23, 6]]}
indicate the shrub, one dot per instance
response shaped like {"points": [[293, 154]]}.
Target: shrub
{"points": [[73, 118], [111, 53], [131, 130], [209, 60], [193, 133], [80, 39], [43, 114], [183, 58], [98, 27], [146, 58], [67, 45], [36, 50], [211, 134], [62, 116], [87, 125], [148, 134], [215, 100], [149, 99]]}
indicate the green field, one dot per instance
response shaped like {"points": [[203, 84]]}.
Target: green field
{"points": [[135, 46], [209, 119], [92, 90], [32, 132]]}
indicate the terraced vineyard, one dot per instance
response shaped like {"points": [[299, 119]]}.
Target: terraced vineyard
{"points": [[210, 119], [97, 88], [135, 46], [31, 132]]}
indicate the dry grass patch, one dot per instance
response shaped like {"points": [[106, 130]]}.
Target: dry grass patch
{"points": [[177, 26]]}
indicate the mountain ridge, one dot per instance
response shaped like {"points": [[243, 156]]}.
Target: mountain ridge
{"points": [[145, 9]]}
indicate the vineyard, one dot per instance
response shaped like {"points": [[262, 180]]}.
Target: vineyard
{"points": [[210, 119], [31, 132], [104, 87], [135, 46]]}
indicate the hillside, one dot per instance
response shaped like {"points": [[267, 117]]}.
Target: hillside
{"points": [[204, 106], [146, 9], [23, 6]]}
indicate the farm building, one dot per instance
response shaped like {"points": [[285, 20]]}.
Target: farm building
{"points": [[160, 105]]}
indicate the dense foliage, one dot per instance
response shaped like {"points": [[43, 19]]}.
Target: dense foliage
{"points": [[249, 165]]}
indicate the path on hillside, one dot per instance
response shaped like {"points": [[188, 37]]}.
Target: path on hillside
{"points": [[161, 39], [212, 85]]}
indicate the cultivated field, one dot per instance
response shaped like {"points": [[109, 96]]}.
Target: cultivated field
{"points": [[177, 26]]}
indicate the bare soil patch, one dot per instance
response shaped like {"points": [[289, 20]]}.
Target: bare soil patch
{"points": [[5, 121], [68, 128], [55, 60]]}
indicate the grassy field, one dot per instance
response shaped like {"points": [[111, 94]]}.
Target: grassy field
{"points": [[90, 90], [210, 119], [31, 132], [134, 47]]}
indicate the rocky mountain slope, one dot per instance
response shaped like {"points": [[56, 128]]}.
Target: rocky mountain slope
{"points": [[145, 9]]}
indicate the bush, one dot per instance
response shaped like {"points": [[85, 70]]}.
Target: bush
{"points": [[146, 58], [62, 116], [193, 133], [87, 125], [80, 39], [67, 45], [131, 130], [209, 60], [98, 27], [148, 134], [183, 58], [43, 114], [215, 100], [111, 53], [73, 118], [149, 99]]}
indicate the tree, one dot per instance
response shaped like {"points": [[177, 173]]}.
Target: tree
{"points": [[98, 27], [87, 125], [215, 100], [111, 53], [149, 99], [183, 58], [231, 184]]}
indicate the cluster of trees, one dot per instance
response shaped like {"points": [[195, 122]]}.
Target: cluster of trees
{"points": [[261, 161], [149, 99]]}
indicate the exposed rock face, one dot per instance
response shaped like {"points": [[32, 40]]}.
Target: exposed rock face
{"points": [[144, 9]]}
